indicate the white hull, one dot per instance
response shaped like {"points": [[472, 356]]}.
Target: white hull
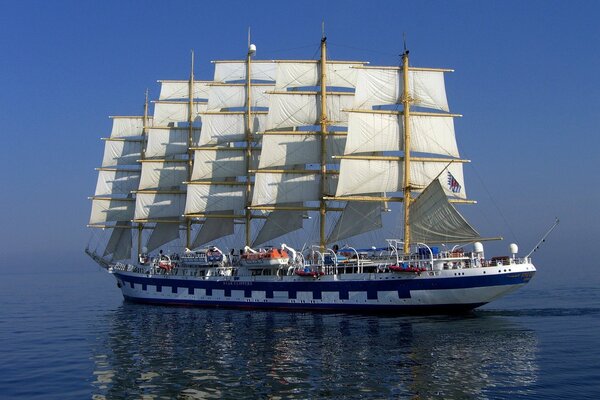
{"points": [[459, 289]]}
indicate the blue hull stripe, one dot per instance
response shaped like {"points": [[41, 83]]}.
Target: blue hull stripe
{"points": [[368, 308], [403, 286]]}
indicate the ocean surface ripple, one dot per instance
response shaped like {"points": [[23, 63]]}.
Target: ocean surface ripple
{"points": [[74, 337]]}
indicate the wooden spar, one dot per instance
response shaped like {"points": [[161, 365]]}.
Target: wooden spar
{"points": [[161, 160], [393, 112], [249, 142], [147, 191], [143, 156], [109, 198], [406, 100], [311, 92], [409, 68], [364, 198], [228, 183], [301, 133], [190, 144], [401, 158], [323, 123], [231, 112], [108, 139], [294, 171], [217, 148], [293, 208]]}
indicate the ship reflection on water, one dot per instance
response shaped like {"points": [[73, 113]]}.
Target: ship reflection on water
{"points": [[193, 353]]}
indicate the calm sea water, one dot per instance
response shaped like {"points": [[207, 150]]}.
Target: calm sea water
{"points": [[70, 336]]}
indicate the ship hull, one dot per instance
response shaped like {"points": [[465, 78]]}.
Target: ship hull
{"points": [[444, 291]]}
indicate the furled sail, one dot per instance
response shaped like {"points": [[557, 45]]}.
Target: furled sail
{"points": [[434, 220]]}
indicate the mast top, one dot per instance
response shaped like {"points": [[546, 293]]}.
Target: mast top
{"points": [[192, 65], [251, 47]]}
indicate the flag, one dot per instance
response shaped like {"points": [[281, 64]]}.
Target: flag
{"points": [[453, 184]]}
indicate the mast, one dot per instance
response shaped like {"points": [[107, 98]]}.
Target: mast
{"points": [[406, 100], [249, 140], [143, 154], [323, 121], [188, 221]]}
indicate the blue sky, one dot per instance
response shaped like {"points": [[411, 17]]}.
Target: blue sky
{"points": [[526, 82]]}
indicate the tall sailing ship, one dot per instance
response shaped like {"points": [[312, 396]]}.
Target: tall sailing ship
{"points": [[236, 168]]}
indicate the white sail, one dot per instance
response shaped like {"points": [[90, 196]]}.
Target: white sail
{"points": [[162, 174], [289, 109], [277, 188], [214, 228], [161, 234], [113, 181], [307, 74], [370, 132], [124, 127], [375, 176], [168, 113], [111, 210], [228, 71], [434, 220], [165, 142], [385, 86], [218, 128], [358, 217], [289, 150], [214, 197], [121, 152], [119, 244], [230, 96], [159, 205], [279, 223], [219, 164], [178, 90]]}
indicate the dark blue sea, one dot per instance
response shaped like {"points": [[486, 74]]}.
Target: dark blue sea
{"points": [[67, 334]]}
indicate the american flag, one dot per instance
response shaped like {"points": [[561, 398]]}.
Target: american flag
{"points": [[453, 184]]}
